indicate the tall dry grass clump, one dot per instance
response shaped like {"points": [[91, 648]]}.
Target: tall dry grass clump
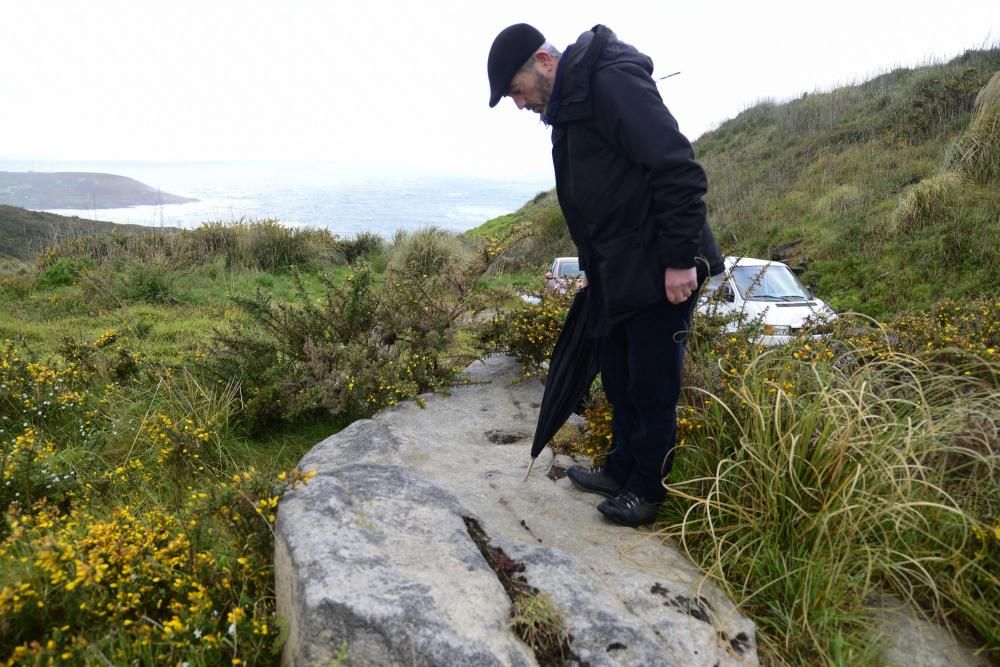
{"points": [[976, 154], [929, 203], [430, 252], [260, 245], [821, 479]]}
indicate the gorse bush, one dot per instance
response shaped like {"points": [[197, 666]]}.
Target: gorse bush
{"points": [[937, 99], [62, 272], [127, 530], [530, 330], [147, 584], [362, 345]]}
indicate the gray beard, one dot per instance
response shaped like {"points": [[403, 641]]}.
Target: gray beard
{"points": [[544, 87]]}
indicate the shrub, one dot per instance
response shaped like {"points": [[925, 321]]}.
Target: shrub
{"points": [[147, 283], [937, 99], [89, 574], [596, 443], [16, 287], [88, 585], [949, 332], [428, 252], [188, 424], [361, 345], [32, 473], [36, 395], [530, 330], [820, 472], [363, 245], [270, 246], [62, 271]]}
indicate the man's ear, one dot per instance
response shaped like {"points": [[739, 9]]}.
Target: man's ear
{"points": [[545, 61]]}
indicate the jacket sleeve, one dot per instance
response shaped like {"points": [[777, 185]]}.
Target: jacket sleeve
{"points": [[630, 114]]}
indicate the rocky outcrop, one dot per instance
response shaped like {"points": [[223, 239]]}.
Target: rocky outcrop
{"points": [[375, 562]]}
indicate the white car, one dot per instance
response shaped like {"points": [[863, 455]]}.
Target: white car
{"points": [[564, 273], [757, 289]]}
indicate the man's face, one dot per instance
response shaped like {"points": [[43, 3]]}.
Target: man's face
{"points": [[532, 88]]}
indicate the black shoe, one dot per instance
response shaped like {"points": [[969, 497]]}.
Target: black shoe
{"points": [[629, 509], [594, 480]]}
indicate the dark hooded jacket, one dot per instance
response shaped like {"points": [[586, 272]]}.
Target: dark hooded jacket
{"points": [[626, 178]]}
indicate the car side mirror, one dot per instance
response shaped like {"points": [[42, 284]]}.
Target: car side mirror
{"points": [[549, 276], [727, 294]]}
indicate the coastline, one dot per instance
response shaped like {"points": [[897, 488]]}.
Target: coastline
{"points": [[304, 194]]}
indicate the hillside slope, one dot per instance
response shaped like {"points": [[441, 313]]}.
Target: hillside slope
{"points": [[869, 189], [864, 186], [24, 233]]}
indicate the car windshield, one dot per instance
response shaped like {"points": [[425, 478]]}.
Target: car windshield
{"points": [[569, 270], [773, 282]]}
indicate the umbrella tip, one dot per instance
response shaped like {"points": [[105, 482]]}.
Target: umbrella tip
{"points": [[530, 466]]}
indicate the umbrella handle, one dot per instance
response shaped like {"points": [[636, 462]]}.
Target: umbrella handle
{"points": [[530, 466]]}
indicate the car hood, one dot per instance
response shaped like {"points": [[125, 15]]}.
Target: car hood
{"points": [[791, 313]]}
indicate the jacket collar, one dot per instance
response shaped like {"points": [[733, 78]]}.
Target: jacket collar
{"points": [[573, 98]]}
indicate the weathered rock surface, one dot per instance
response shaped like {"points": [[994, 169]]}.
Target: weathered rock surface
{"points": [[910, 641], [374, 553], [373, 557]]}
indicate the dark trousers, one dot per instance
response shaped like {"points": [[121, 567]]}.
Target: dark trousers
{"points": [[641, 363]]}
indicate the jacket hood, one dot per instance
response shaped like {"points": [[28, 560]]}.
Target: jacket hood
{"points": [[593, 50]]}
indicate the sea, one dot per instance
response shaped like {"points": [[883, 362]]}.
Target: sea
{"points": [[342, 199]]}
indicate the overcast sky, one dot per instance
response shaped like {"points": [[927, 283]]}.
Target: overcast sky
{"points": [[402, 85]]}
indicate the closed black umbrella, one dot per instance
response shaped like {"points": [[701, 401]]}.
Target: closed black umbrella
{"points": [[572, 369]]}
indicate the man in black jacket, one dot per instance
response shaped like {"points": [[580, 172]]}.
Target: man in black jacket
{"points": [[631, 192]]}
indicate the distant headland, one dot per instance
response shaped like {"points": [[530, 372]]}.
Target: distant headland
{"points": [[79, 190]]}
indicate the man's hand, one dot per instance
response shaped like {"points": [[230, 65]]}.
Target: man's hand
{"points": [[583, 281], [680, 284]]}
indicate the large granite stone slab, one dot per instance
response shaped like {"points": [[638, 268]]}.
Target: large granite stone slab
{"points": [[374, 553]]}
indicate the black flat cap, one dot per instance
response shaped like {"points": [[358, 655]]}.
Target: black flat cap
{"points": [[512, 47]]}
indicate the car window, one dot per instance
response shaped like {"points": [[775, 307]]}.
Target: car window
{"points": [[773, 282], [569, 270]]}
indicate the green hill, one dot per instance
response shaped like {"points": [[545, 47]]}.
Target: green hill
{"points": [[884, 194], [79, 190], [24, 233]]}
